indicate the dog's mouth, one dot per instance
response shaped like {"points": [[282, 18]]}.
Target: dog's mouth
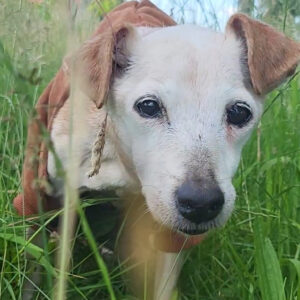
{"points": [[186, 227]]}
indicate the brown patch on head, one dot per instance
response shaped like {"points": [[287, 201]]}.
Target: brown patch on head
{"points": [[271, 56]]}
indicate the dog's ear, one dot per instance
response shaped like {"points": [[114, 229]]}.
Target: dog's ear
{"points": [[94, 64], [99, 60], [271, 56]]}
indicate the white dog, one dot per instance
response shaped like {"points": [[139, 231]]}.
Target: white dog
{"points": [[183, 102]]}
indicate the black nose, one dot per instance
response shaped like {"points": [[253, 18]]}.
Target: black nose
{"points": [[199, 201]]}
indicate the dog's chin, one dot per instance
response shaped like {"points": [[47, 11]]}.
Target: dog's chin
{"points": [[192, 231], [188, 228]]}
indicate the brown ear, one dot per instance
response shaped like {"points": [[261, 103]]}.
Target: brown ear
{"points": [[104, 53], [271, 56], [98, 59]]}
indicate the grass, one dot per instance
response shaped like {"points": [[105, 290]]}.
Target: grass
{"points": [[255, 256]]}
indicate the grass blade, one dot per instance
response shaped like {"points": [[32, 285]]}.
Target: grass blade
{"points": [[267, 265]]}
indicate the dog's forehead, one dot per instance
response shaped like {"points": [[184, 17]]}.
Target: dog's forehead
{"points": [[189, 58]]}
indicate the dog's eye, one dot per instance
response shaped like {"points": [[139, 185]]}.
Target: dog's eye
{"points": [[239, 114], [148, 107]]}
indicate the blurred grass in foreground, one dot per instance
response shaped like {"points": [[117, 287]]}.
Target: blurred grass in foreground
{"points": [[256, 256]]}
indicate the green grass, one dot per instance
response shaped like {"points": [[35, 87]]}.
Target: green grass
{"points": [[255, 256]]}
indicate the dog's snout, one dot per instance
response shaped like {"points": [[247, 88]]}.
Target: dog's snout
{"points": [[199, 202]]}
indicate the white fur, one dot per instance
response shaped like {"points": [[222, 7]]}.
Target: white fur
{"points": [[196, 73]]}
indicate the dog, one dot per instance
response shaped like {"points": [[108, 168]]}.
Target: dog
{"points": [[182, 103], [179, 115]]}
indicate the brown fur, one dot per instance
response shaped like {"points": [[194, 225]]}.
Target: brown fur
{"points": [[271, 56], [93, 63], [97, 54]]}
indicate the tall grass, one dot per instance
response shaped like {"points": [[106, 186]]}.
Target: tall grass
{"points": [[255, 256]]}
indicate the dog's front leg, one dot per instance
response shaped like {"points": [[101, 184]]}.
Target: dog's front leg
{"points": [[168, 267]]}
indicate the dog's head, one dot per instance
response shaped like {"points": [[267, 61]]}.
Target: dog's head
{"points": [[183, 102]]}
